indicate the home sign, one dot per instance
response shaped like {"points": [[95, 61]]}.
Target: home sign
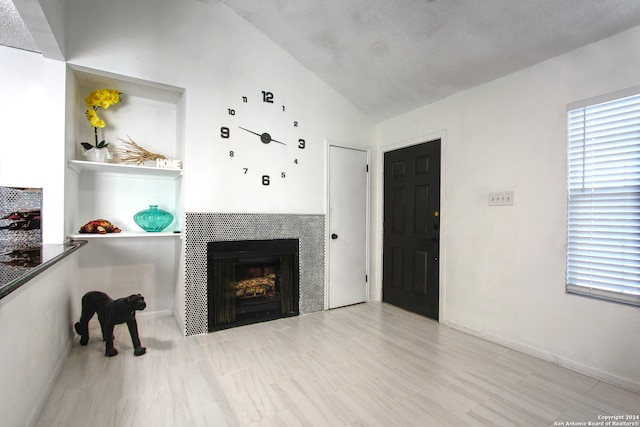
{"points": [[168, 164]]}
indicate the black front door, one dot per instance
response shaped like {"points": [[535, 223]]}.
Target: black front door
{"points": [[412, 228]]}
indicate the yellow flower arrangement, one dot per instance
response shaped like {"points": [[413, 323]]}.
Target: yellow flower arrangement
{"points": [[101, 98], [93, 118]]}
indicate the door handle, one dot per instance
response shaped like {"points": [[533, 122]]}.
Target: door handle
{"points": [[334, 236]]}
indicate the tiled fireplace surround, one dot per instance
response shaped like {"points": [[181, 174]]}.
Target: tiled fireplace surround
{"points": [[202, 228]]}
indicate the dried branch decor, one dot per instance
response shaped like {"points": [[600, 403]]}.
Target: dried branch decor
{"points": [[130, 152]]}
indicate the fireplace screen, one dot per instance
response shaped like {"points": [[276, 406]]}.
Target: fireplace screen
{"points": [[251, 281]]}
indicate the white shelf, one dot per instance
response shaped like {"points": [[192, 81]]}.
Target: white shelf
{"points": [[83, 166], [124, 235]]}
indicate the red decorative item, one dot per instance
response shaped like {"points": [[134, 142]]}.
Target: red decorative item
{"points": [[99, 226]]}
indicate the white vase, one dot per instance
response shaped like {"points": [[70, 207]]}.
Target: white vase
{"points": [[100, 155]]}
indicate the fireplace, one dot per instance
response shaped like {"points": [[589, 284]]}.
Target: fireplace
{"points": [[200, 228], [251, 281]]}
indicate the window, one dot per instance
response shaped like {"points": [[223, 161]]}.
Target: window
{"points": [[603, 240]]}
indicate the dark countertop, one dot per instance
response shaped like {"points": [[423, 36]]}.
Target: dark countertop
{"points": [[19, 266]]}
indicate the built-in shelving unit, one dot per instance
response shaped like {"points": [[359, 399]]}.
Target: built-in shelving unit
{"points": [[132, 261], [152, 115]]}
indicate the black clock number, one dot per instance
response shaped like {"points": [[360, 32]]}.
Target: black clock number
{"points": [[225, 133], [267, 97]]}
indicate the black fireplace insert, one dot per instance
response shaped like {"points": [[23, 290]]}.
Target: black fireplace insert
{"points": [[251, 281]]}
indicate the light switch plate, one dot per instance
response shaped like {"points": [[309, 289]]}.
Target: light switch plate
{"points": [[501, 198]]}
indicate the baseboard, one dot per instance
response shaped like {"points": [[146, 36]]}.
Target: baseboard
{"points": [[154, 314], [160, 314], [179, 322], [573, 365]]}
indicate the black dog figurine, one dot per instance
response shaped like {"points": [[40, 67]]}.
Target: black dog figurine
{"points": [[111, 313]]}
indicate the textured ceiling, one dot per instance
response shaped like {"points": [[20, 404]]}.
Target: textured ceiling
{"points": [[391, 56], [13, 31]]}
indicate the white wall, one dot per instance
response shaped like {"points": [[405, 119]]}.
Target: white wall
{"points": [[134, 266], [32, 131], [503, 267], [35, 320], [35, 332], [218, 58]]}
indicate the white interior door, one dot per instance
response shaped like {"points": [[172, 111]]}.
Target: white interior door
{"points": [[348, 222]]}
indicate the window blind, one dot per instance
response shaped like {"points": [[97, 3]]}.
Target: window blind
{"points": [[603, 240]]}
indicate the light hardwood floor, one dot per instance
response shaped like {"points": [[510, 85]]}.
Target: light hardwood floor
{"points": [[365, 365]]}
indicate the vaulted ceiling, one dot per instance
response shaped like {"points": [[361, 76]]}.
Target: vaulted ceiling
{"points": [[13, 31], [391, 56]]}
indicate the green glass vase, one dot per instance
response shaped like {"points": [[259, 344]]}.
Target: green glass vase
{"points": [[153, 219]]}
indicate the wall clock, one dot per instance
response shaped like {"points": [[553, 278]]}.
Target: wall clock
{"points": [[262, 139]]}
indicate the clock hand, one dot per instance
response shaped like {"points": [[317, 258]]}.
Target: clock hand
{"points": [[250, 131], [275, 140], [264, 137]]}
